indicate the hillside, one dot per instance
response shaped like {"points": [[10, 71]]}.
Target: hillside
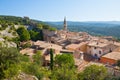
{"points": [[11, 31], [107, 28]]}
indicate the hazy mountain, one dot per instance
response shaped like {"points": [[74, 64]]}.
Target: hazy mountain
{"points": [[95, 23], [109, 28]]}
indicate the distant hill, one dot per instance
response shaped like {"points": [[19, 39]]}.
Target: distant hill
{"points": [[18, 20], [107, 28]]}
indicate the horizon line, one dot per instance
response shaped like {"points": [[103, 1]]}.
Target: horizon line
{"points": [[63, 19]]}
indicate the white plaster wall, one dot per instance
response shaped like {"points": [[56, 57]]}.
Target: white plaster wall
{"points": [[94, 51]]}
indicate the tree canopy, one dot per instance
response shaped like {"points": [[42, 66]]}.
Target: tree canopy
{"points": [[64, 68], [9, 57], [64, 59], [23, 34], [93, 72], [34, 35]]}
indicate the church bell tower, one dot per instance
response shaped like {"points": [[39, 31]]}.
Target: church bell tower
{"points": [[65, 24]]}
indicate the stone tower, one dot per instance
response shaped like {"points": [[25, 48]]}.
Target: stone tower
{"points": [[65, 24]]}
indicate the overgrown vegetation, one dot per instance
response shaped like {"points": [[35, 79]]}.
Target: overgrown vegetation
{"points": [[12, 63]]}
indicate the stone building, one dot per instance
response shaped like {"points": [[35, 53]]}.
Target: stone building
{"points": [[97, 49]]}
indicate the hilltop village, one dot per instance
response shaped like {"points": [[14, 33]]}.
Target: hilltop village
{"points": [[85, 48], [33, 50]]}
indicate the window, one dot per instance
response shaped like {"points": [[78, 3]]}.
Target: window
{"points": [[96, 55], [99, 52]]}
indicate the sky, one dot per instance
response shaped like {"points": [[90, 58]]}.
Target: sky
{"points": [[55, 10]]}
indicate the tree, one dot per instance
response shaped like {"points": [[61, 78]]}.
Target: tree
{"points": [[23, 34], [65, 59], [37, 58], [39, 26], [64, 73], [65, 69], [34, 35], [46, 26], [51, 59], [8, 58], [93, 72], [12, 71], [33, 69]]}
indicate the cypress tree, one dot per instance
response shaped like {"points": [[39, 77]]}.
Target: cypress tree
{"points": [[51, 59]]}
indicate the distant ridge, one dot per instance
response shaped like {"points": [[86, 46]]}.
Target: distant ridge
{"points": [[104, 28], [85, 22]]}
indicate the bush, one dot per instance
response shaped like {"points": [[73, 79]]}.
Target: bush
{"points": [[52, 29], [23, 34], [27, 45]]}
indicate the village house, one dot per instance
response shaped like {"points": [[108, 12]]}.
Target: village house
{"points": [[110, 58], [47, 34], [97, 49], [78, 47]]}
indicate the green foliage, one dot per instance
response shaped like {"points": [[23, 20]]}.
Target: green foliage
{"points": [[46, 26], [49, 28], [12, 19], [93, 72], [12, 71], [14, 33], [65, 59], [37, 58], [4, 26], [52, 29], [51, 59], [7, 38], [39, 26], [64, 73], [64, 68], [16, 40], [23, 34], [24, 58], [33, 69], [9, 57], [12, 27], [34, 35], [26, 45]]}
